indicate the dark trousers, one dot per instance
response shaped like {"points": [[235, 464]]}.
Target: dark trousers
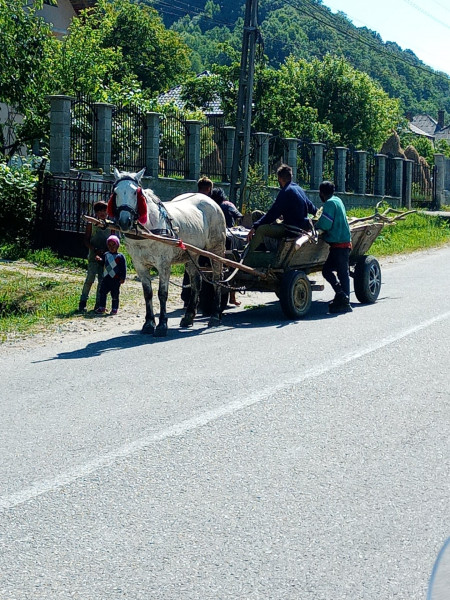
{"points": [[110, 284], [337, 264]]}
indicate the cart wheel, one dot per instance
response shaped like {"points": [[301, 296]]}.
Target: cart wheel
{"points": [[295, 294], [367, 279]]}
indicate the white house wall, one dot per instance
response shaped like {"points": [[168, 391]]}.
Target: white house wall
{"points": [[58, 16]]}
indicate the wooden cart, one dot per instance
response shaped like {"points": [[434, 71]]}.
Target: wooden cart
{"points": [[287, 270]]}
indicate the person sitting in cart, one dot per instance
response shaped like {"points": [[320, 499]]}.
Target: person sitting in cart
{"points": [[291, 204], [230, 212], [333, 221]]}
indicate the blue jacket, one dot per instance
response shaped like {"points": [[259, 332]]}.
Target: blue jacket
{"points": [[293, 205]]}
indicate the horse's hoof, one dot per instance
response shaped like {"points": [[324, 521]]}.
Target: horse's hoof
{"points": [[214, 322], [160, 331], [148, 329], [187, 321]]}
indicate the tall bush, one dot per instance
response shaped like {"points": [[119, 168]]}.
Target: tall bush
{"points": [[17, 203]]}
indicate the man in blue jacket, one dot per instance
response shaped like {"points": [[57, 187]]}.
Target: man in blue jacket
{"points": [[334, 223], [292, 204]]}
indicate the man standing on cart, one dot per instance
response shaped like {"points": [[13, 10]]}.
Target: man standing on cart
{"points": [[291, 204], [334, 223]]}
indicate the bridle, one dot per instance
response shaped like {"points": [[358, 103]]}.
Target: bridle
{"points": [[139, 214]]}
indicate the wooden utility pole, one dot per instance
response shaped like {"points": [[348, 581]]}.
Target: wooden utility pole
{"points": [[241, 149]]}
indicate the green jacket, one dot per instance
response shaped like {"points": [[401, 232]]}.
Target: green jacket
{"points": [[98, 240], [334, 222]]}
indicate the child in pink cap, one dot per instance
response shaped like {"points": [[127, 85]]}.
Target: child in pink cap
{"points": [[114, 274]]}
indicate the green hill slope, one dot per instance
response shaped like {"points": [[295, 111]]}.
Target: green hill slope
{"points": [[307, 29]]}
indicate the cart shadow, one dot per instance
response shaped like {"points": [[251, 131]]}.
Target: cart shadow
{"points": [[264, 315]]}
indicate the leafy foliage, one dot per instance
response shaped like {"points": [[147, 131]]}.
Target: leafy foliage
{"points": [[256, 194], [124, 45], [117, 50], [27, 43], [320, 100], [17, 203], [306, 29]]}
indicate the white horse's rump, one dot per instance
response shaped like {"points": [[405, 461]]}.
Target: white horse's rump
{"points": [[193, 218]]}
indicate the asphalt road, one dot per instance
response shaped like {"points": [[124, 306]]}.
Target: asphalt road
{"points": [[261, 460]]}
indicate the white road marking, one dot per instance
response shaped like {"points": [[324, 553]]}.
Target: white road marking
{"points": [[44, 486]]}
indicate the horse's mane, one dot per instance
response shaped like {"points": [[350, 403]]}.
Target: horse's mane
{"points": [[150, 195]]}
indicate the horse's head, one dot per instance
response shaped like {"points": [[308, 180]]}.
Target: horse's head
{"points": [[127, 203]]}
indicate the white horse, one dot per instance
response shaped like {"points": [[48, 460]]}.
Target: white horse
{"points": [[193, 218]]}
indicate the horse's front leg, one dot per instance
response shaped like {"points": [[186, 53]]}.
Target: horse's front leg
{"points": [[191, 308], [163, 294], [149, 325]]}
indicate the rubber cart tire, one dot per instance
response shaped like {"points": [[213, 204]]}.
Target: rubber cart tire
{"points": [[295, 294], [367, 279]]}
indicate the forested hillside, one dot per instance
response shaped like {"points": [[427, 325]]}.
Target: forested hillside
{"points": [[307, 29]]}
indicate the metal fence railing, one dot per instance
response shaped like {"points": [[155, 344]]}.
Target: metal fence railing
{"points": [[64, 201], [328, 173], [173, 147], [277, 156], [350, 171], [390, 176], [422, 183], [370, 172], [213, 140], [304, 158], [128, 134], [82, 133]]}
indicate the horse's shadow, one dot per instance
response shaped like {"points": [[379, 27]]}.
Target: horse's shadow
{"points": [[264, 315]]}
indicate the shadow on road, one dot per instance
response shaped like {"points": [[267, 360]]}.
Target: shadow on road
{"points": [[259, 316]]}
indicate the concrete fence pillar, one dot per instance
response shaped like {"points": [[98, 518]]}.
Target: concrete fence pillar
{"points": [[398, 177], [361, 171], [380, 175], [60, 123], [103, 136], [407, 183], [291, 158], [317, 165], [440, 163], [230, 134], [340, 168], [193, 148], [262, 153], [151, 143]]}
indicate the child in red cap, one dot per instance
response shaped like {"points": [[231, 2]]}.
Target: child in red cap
{"points": [[114, 274]]}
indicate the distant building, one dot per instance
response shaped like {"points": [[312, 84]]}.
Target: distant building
{"points": [[427, 126], [60, 13], [212, 109]]}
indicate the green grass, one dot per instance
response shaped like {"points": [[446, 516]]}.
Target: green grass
{"points": [[29, 302], [416, 232]]}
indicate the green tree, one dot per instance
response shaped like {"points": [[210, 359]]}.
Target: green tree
{"points": [[443, 147], [321, 101], [120, 45], [26, 44], [157, 56], [360, 112], [308, 29]]}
